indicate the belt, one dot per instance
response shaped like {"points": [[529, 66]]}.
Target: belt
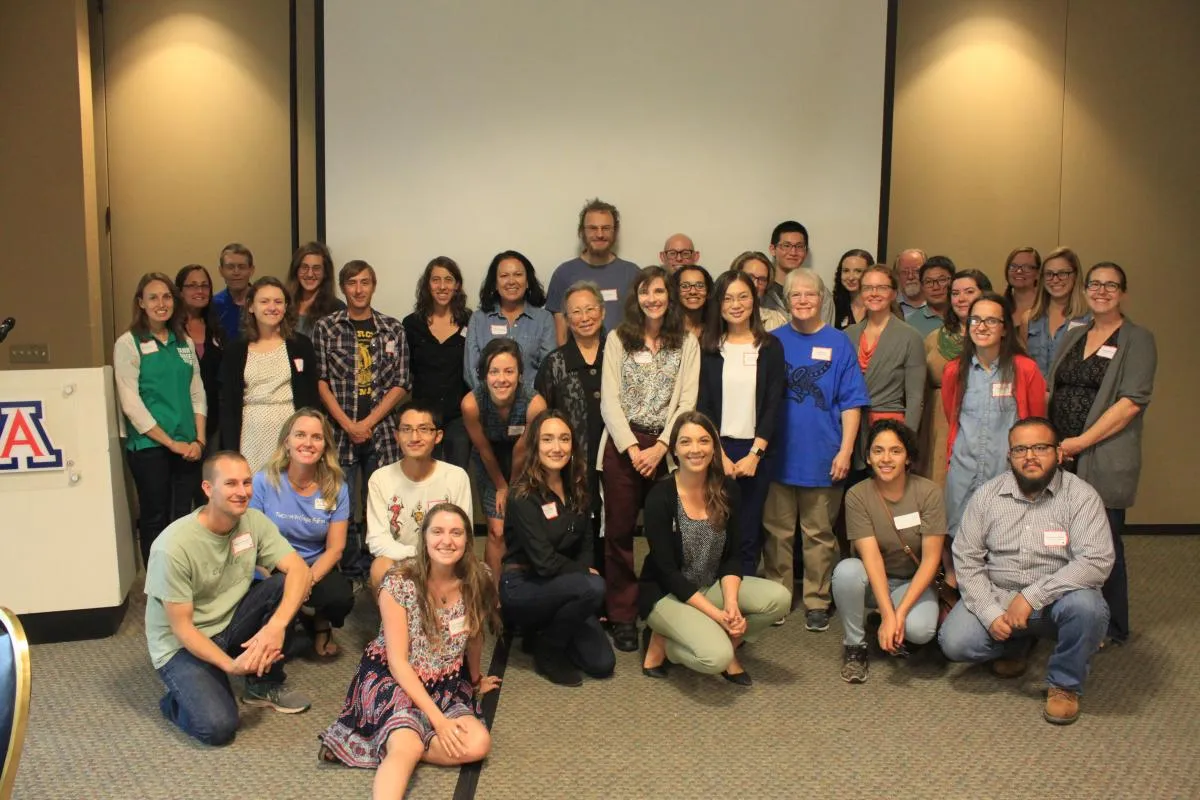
{"points": [[643, 429]]}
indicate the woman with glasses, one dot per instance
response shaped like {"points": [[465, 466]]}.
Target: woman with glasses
{"points": [[742, 379], [1060, 306], [761, 272], [437, 344], [1101, 381], [941, 347], [510, 305], [1021, 273], [201, 326], [310, 282], [848, 307], [991, 385], [693, 285]]}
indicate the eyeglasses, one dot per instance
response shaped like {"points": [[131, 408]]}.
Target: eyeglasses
{"points": [[424, 430], [680, 253], [804, 295], [730, 299], [984, 322], [1041, 449], [695, 286], [936, 283], [586, 311], [1057, 275], [758, 280], [791, 247], [1021, 268], [194, 286], [1110, 287], [876, 288], [599, 228], [237, 267], [311, 269]]}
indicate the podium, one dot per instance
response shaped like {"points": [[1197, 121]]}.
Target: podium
{"points": [[66, 544]]}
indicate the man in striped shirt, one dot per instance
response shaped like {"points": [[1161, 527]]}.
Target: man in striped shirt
{"points": [[1031, 554]]}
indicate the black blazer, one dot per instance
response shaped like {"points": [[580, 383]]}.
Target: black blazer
{"points": [[302, 361], [210, 374], [662, 571], [770, 385]]}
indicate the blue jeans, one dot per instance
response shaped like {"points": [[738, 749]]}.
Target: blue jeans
{"points": [[356, 561], [852, 593], [754, 497], [1078, 619], [563, 611], [199, 698]]}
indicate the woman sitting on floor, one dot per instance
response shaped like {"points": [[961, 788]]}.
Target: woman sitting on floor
{"points": [[692, 593], [413, 698], [550, 588], [303, 492]]}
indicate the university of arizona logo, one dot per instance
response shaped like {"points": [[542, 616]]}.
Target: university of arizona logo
{"points": [[24, 444]]}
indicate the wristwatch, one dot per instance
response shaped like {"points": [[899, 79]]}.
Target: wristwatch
{"points": [[758, 451]]}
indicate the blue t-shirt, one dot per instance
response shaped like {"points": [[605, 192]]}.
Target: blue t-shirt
{"points": [[823, 380], [613, 279], [303, 521], [229, 314]]}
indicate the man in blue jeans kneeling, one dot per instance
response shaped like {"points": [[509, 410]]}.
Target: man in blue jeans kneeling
{"points": [[1031, 554], [204, 619]]}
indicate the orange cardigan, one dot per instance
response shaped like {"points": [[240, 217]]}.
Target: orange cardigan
{"points": [[1029, 390]]}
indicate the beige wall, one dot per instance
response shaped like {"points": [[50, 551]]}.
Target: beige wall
{"points": [[1054, 122]]}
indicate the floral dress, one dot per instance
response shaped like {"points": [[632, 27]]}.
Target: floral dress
{"points": [[376, 705]]}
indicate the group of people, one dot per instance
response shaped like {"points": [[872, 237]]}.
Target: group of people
{"points": [[732, 414]]}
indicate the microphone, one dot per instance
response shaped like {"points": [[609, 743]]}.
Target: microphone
{"points": [[7, 325]]}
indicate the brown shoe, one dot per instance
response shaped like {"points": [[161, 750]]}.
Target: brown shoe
{"points": [[1062, 706], [1009, 667]]}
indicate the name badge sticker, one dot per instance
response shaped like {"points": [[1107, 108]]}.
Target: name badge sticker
{"points": [[241, 543], [458, 626], [609, 295], [1073, 324], [389, 347], [822, 354], [148, 348], [320, 505], [1106, 351], [550, 510], [516, 430], [911, 520], [750, 359], [642, 357], [1001, 390], [299, 362], [499, 330], [1054, 538]]}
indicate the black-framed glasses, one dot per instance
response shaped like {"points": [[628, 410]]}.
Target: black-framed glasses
{"points": [[1039, 449], [794, 247], [984, 322], [759, 280], [424, 430], [311, 269], [1021, 268], [685, 254], [1057, 274], [1112, 287], [692, 286], [935, 283]]}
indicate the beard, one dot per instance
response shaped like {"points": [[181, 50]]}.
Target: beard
{"points": [[912, 289], [1034, 486]]}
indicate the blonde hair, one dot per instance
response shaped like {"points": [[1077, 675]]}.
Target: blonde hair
{"points": [[329, 471], [1076, 301]]}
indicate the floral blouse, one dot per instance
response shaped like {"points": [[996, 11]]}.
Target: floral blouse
{"points": [[431, 664]]}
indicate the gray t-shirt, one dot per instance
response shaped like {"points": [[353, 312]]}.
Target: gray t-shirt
{"points": [[613, 279]]}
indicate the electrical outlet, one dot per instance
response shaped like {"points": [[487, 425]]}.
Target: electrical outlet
{"points": [[28, 354]]}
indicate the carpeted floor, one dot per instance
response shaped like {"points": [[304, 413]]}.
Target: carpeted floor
{"points": [[920, 728]]}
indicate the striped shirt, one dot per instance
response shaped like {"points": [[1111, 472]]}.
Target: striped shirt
{"points": [[1042, 548]]}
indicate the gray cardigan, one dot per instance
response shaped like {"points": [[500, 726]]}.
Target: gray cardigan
{"points": [[1114, 465], [896, 376]]}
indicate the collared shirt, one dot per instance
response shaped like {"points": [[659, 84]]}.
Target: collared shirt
{"points": [[1042, 548], [532, 330], [336, 343], [1042, 343], [907, 308], [980, 452], [229, 314], [924, 319]]}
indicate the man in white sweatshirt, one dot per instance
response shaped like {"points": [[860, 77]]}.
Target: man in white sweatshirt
{"points": [[399, 495]]}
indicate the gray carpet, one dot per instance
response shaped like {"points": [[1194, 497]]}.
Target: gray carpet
{"points": [[920, 728]]}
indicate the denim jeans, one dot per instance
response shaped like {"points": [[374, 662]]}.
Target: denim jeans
{"points": [[852, 593], [563, 611], [166, 485], [455, 447], [1078, 619], [199, 698], [356, 561]]}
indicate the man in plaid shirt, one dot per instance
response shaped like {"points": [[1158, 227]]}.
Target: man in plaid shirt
{"points": [[362, 361]]}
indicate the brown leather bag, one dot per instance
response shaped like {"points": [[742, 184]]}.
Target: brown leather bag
{"points": [[947, 595]]}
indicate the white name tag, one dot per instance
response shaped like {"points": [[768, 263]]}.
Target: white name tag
{"points": [[642, 357], [750, 359], [499, 330], [1106, 351], [516, 430], [1072, 325], [148, 348], [462, 332], [241, 543], [389, 347], [609, 295], [320, 505], [1001, 390], [822, 354], [299, 362], [550, 511], [1054, 538], [907, 520], [458, 625]]}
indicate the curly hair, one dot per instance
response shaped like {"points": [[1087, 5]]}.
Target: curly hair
{"points": [[324, 300], [424, 305]]}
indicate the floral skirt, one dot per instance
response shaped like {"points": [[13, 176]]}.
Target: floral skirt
{"points": [[376, 706]]}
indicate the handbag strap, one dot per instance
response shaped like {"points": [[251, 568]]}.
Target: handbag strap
{"points": [[892, 524]]}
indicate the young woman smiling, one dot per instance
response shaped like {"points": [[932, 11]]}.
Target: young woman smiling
{"points": [[848, 306], [1061, 306], [201, 325], [693, 286], [310, 283]]}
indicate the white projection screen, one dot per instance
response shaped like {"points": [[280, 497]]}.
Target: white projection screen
{"points": [[467, 128]]}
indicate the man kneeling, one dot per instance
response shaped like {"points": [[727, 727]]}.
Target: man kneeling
{"points": [[1032, 552], [204, 619]]}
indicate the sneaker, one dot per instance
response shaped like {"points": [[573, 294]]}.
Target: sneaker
{"points": [[816, 620], [779, 622], [276, 696], [554, 666], [1062, 706], [625, 636], [854, 663]]}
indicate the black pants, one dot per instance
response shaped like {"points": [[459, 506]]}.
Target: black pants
{"points": [[166, 484], [1116, 588], [332, 598], [563, 611]]}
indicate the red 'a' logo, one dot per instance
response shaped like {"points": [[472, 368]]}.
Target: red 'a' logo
{"points": [[24, 443]]}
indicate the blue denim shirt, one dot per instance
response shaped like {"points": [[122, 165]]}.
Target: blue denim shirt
{"points": [[533, 332], [1042, 344], [981, 446]]}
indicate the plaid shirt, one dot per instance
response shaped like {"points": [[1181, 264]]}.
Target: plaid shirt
{"points": [[337, 343]]}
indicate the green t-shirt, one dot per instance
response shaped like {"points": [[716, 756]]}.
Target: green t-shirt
{"points": [[919, 513], [191, 564]]}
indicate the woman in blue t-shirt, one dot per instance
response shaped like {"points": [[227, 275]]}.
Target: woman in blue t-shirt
{"points": [[303, 492]]}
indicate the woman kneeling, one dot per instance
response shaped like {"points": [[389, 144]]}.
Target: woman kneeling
{"points": [[697, 605], [412, 700]]}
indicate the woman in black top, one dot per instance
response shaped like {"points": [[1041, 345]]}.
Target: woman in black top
{"points": [[694, 288], [848, 306], [436, 343], [741, 386], [202, 327], [698, 607], [549, 586]]}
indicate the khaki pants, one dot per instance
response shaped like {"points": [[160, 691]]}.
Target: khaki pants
{"points": [[817, 510]]}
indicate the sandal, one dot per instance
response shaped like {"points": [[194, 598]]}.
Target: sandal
{"points": [[323, 643], [326, 755]]}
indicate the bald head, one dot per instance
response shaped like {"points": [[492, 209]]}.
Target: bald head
{"points": [[678, 251]]}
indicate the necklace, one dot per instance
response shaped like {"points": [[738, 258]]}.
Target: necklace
{"points": [[301, 488]]}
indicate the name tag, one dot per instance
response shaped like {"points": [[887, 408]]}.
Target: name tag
{"points": [[148, 348], [458, 626], [907, 520], [822, 354], [320, 505], [1001, 390], [550, 510], [642, 357], [750, 359], [1106, 351], [389, 347], [609, 295], [1054, 538], [1075, 324], [299, 362], [516, 430], [241, 543], [462, 332], [499, 330]]}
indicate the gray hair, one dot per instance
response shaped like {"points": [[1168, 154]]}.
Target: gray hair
{"points": [[805, 275], [584, 286]]}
